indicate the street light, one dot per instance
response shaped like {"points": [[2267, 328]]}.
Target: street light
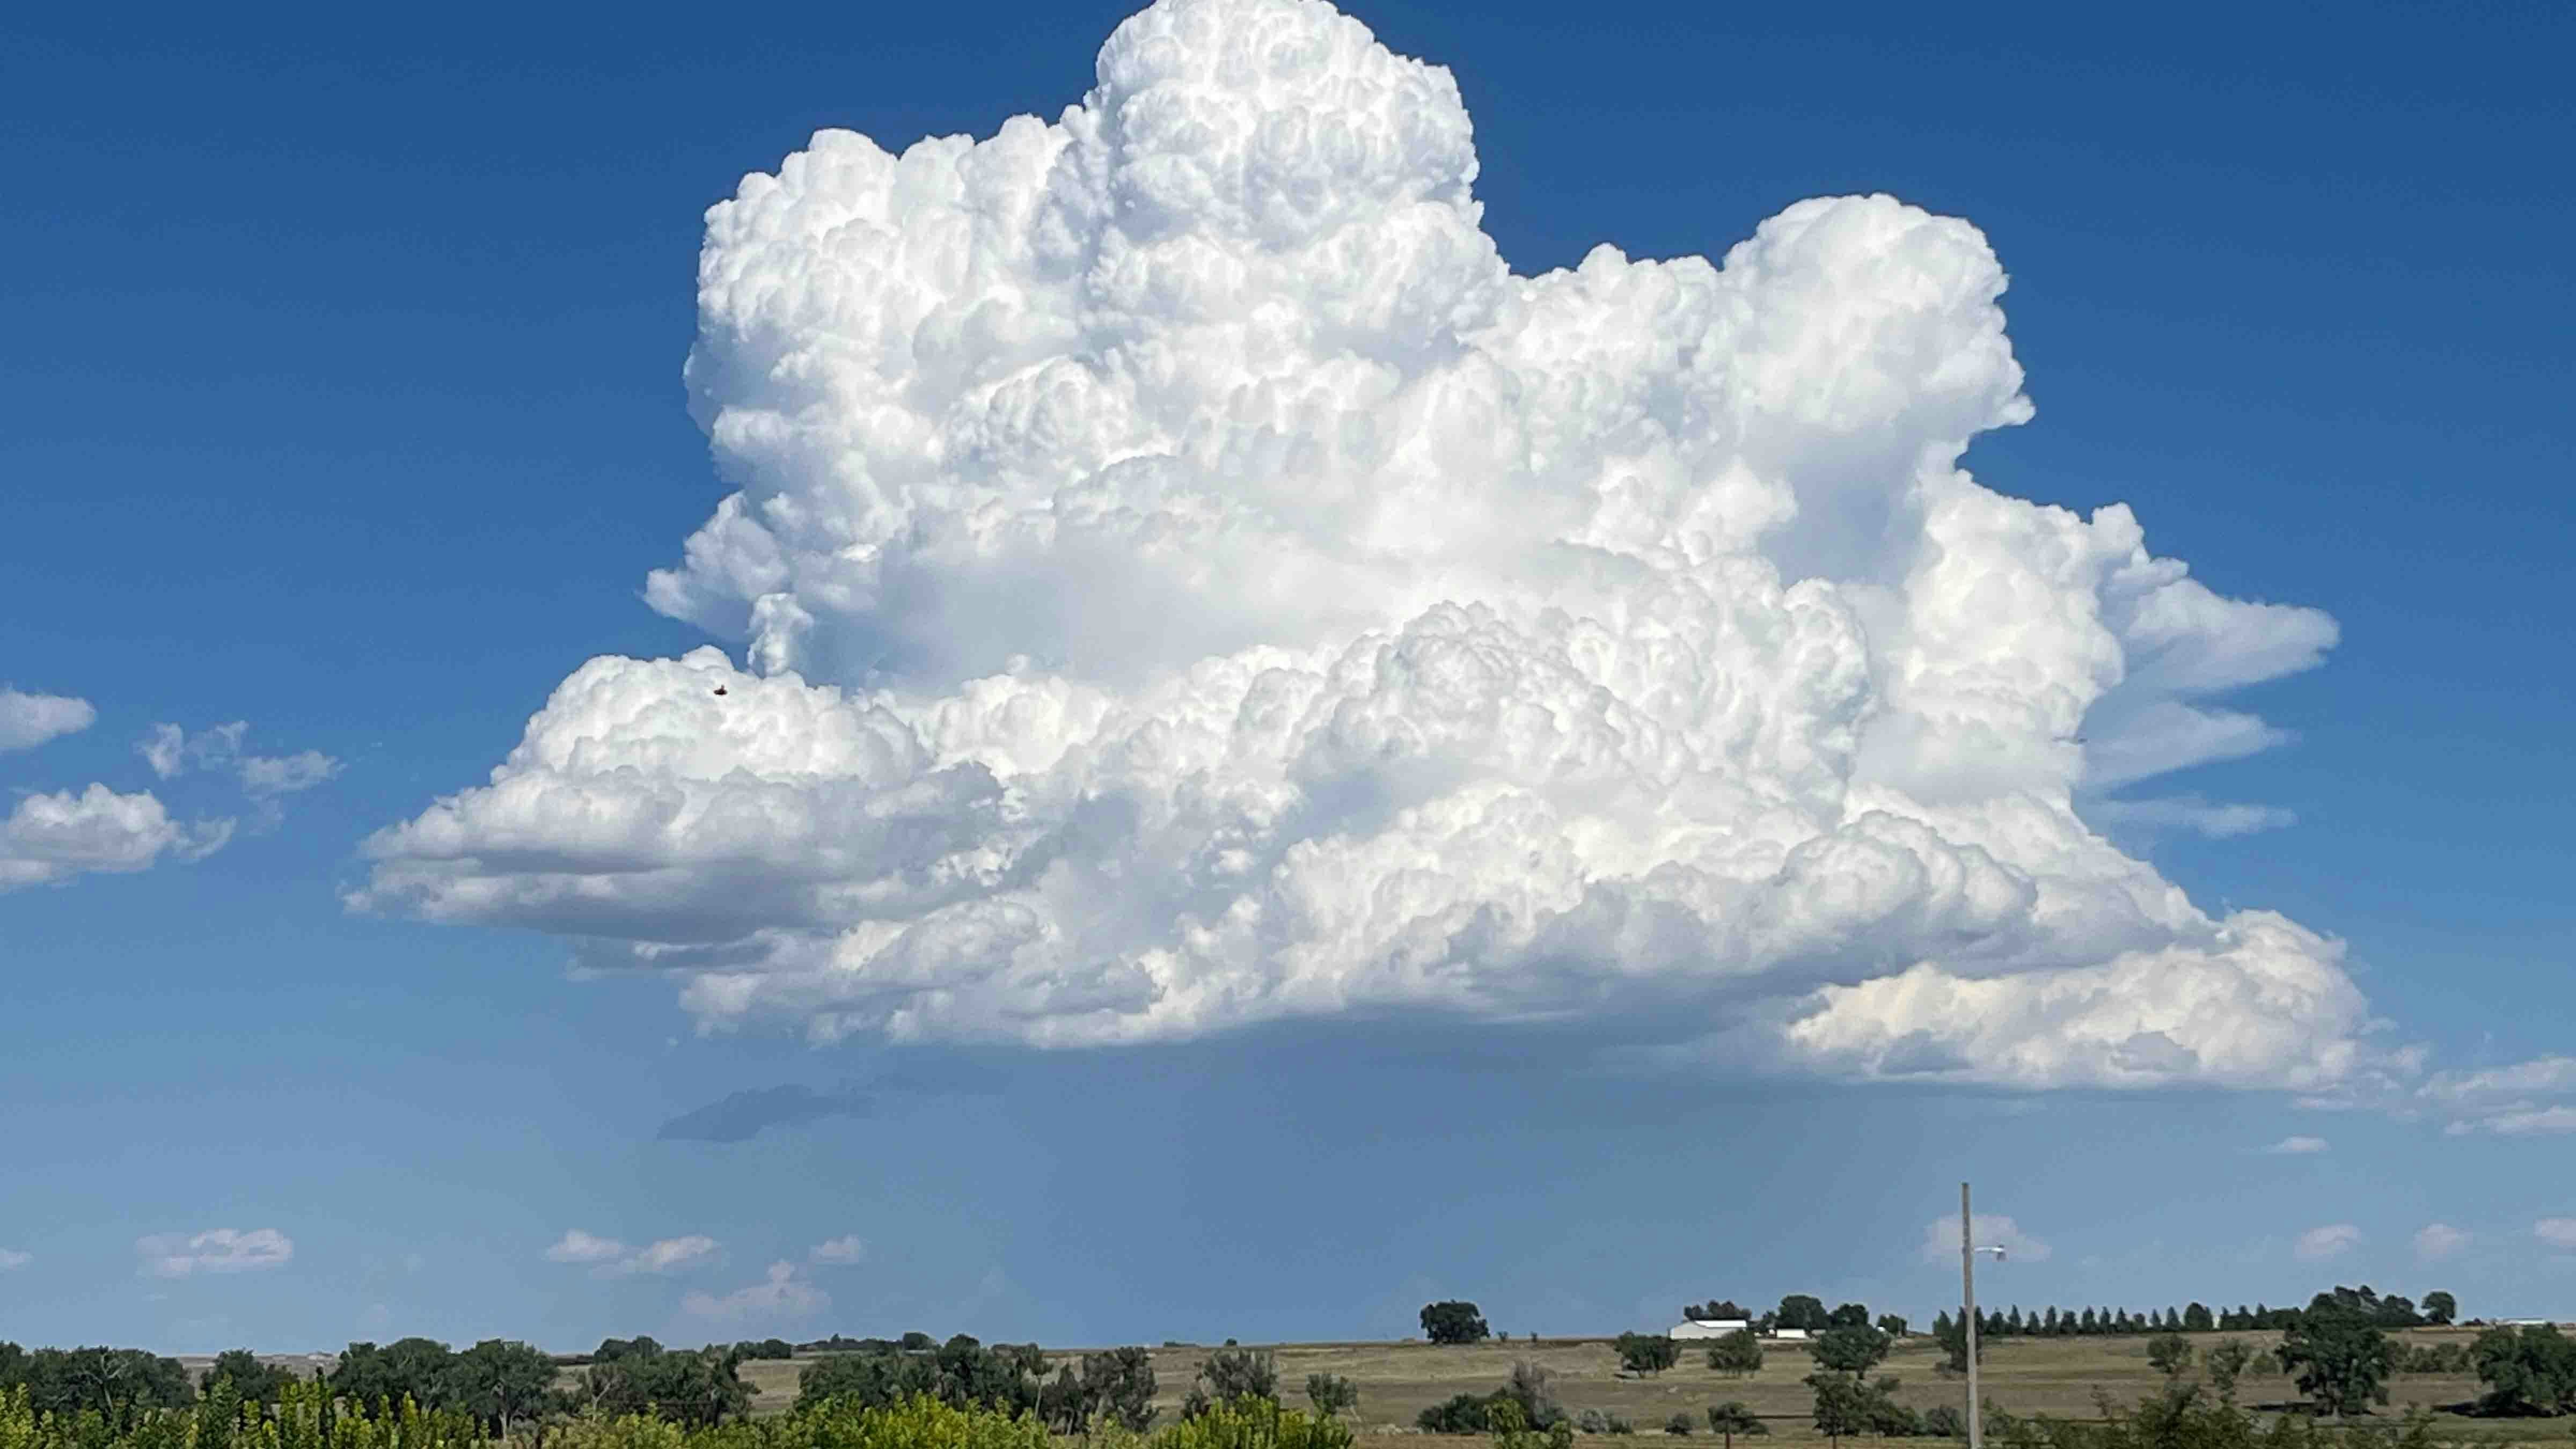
{"points": [[1968, 1251]]}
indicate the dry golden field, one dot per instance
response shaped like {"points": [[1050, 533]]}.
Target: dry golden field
{"points": [[2057, 1377]]}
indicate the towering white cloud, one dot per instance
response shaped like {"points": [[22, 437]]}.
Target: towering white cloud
{"points": [[29, 720], [1186, 579]]}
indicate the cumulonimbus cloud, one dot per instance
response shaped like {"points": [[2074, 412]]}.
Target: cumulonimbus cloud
{"points": [[1186, 579]]}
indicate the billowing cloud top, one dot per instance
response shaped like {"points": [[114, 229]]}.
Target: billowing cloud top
{"points": [[1186, 579]]}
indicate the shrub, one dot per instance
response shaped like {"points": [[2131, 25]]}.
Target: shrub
{"points": [[1737, 1354], [1679, 1423]]}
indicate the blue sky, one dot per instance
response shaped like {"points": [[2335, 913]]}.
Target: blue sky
{"points": [[346, 401]]}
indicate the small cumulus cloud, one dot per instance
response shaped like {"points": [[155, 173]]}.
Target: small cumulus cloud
{"points": [[2331, 1241], [785, 1293], [2296, 1147], [29, 720], [839, 1252], [613, 1259], [11, 1259], [216, 1250], [2437, 1241], [2556, 1232], [49, 838], [1941, 1239]]}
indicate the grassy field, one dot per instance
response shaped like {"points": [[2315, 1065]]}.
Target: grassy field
{"points": [[2057, 1377]]}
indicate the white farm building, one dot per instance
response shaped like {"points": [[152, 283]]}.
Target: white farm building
{"points": [[1708, 1328]]}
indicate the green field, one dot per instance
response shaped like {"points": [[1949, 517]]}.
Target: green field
{"points": [[2057, 1377]]}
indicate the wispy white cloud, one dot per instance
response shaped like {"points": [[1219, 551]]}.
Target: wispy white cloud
{"points": [[2296, 1147], [1941, 1239], [12, 1259], [611, 1258], [784, 1294], [839, 1251], [216, 1250], [2437, 1241], [172, 751], [2525, 1099], [2330, 1241], [29, 720], [2556, 1232]]}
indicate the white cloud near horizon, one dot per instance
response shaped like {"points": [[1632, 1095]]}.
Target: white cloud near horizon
{"points": [[216, 1250], [1187, 580], [1941, 1239], [29, 720], [2437, 1241], [2556, 1232], [783, 1294], [2330, 1241], [611, 1258], [11, 1259], [2297, 1147], [839, 1252]]}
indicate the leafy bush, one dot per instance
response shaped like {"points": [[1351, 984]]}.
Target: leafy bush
{"points": [[1679, 1423], [1647, 1353], [1737, 1354]]}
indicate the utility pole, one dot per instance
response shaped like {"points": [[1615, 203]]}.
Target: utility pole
{"points": [[1968, 1317]]}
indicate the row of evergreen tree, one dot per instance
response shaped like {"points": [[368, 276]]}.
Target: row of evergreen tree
{"points": [[2392, 1311]]}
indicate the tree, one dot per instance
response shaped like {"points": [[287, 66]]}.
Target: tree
{"points": [[2440, 1309], [1647, 1353], [376, 1380], [2531, 1370], [1798, 1310], [2170, 1353], [255, 1382], [1943, 1422], [1716, 1308], [1732, 1418], [1232, 1374], [1678, 1424], [1453, 1322], [1853, 1351], [2227, 1360], [1953, 1339], [1892, 1324], [1331, 1394], [1737, 1354], [1849, 1315], [1842, 1405], [501, 1382], [2198, 1319], [2340, 1355]]}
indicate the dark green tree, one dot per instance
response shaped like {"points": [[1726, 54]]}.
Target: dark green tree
{"points": [[2198, 1319], [2170, 1353], [1646, 1353], [2527, 1370], [1848, 1315], [1232, 1374], [1454, 1321], [254, 1381], [1852, 1351], [2227, 1360], [2440, 1309], [1737, 1354], [1842, 1405], [1331, 1394], [2341, 1356], [1800, 1310], [502, 1383], [1679, 1424], [1732, 1418], [1892, 1324]]}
